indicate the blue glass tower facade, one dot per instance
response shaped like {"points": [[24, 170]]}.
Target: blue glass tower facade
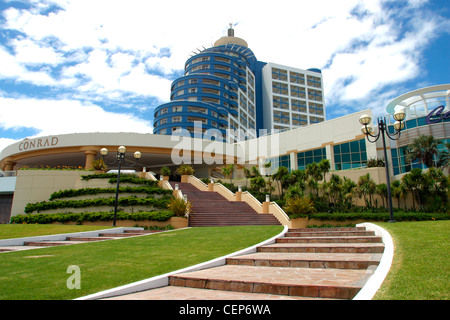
{"points": [[218, 92], [223, 93]]}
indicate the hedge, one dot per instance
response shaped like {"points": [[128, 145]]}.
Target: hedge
{"points": [[92, 191], [128, 201], [398, 216], [124, 178], [90, 216]]}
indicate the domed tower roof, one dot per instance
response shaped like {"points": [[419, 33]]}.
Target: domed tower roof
{"points": [[231, 39]]}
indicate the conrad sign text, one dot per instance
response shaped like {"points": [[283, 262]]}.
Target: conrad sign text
{"points": [[38, 143]]}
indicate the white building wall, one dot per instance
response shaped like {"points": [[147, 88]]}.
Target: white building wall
{"points": [[268, 95]]}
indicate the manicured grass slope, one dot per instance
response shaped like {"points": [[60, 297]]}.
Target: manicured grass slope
{"points": [[420, 269], [9, 231], [113, 263]]}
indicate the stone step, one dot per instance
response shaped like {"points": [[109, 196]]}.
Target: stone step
{"points": [[306, 282], [308, 260], [119, 235], [89, 238], [324, 247], [186, 293], [327, 229], [48, 243], [329, 239], [329, 233], [142, 231]]}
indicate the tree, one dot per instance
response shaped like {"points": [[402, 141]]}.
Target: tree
{"points": [[381, 190], [314, 176], [436, 183], [228, 172], [423, 148], [348, 189], [398, 191], [248, 175], [335, 188], [324, 167], [282, 176], [415, 183], [267, 169], [257, 183], [366, 187], [444, 157], [298, 180]]}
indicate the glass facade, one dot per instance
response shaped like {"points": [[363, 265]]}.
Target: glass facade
{"points": [[399, 164], [282, 161], [350, 155], [307, 157]]}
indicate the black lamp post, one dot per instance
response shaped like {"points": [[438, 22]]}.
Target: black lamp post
{"points": [[120, 158], [367, 129]]}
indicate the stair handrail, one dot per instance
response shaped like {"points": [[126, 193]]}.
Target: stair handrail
{"points": [[150, 176], [252, 201], [197, 183], [224, 191], [276, 210]]}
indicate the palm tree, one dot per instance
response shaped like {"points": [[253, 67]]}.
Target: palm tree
{"points": [[415, 183], [282, 176], [348, 189], [335, 188], [366, 187], [381, 190], [444, 157], [423, 148], [228, 172], [314, 176], [248, 175], [398, 191], [324, 167]]}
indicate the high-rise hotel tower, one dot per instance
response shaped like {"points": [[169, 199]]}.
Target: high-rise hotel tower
{"points": [[227, 89]]}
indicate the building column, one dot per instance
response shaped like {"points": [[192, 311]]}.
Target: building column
{"points": [[330, 155], [90, 156], [9, 165], [293, 160]]}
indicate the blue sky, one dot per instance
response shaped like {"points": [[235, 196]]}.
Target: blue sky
{"points": [[103, 65]]}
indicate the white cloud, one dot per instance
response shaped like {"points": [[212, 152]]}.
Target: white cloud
{"points": [[110, 49], [50, 117]]}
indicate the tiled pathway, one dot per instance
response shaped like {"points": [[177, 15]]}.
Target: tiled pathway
{"points": [[327, 264]]}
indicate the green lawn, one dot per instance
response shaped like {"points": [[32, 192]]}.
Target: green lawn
{"points": [[9, 231], [41, 274], [421, 265], [420, 270]]}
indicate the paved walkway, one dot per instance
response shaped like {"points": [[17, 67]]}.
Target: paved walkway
{"points": [[332, 264]]}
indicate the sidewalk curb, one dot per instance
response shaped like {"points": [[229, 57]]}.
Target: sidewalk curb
{"points": [[374, 282]]}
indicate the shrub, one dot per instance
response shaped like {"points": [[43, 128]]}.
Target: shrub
{"points": [[179, 207], [165, 171], [185, 169], [299, 206], [128, 201], [93, 191], [99, 164], [90, 216]]}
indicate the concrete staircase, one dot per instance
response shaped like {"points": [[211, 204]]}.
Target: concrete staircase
{"points": [[304, 264], [212, 209]]}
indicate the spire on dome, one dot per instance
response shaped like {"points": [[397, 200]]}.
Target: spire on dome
{"points": [[231, 30], [231, 39]]}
